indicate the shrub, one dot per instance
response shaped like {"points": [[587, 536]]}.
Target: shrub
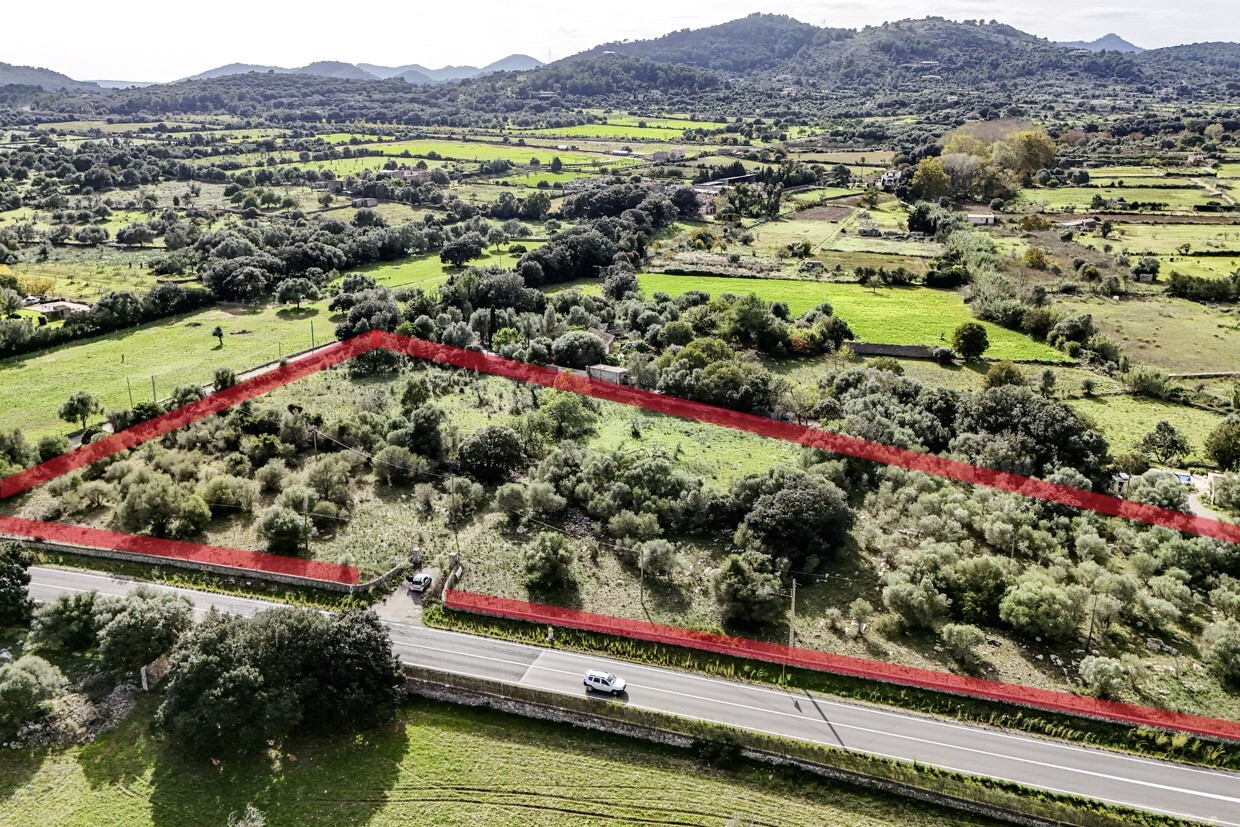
{"points": [[16, 607], [970, 341], [1105, 677], [1165, 443], [396, 465], [228, 495], [271, 477], [548, 564], [1223, 444], [223, 378], [239, 684], [1037, 605], [492, 453], [917, 604], [578, 349], [1003, 373], [962, 642], [747, 591], [657, 559], [283, 529], [1148, 381], [142, 626], [26, 685], [69, 623], [1227, 491], [1159, 488], [1223, 650]]}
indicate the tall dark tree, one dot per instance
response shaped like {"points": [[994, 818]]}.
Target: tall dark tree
{"points": [[16, 607]]}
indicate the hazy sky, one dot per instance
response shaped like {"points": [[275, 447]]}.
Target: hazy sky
{"points": [[155, 40]]}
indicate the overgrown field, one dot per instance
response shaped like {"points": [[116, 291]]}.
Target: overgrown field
{"points": [[435, 765], [904, 316], [1174, 334]]}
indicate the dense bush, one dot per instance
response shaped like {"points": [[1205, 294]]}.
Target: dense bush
{"points": [[237, 684]]}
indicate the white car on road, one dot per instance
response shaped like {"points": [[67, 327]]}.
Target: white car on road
{"points": [[598, 681]]}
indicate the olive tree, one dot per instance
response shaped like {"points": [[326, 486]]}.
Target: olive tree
{"points": [[79, 408]]}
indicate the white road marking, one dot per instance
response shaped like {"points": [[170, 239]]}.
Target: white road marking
{"points": [[251, 603]]}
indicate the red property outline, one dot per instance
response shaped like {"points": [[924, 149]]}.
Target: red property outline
{"points": [[648, 400], [937, 681], [472, 360]]}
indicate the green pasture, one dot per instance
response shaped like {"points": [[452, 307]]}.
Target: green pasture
{"points": [[1176, 335], [1206, 267], [86, 273], [478, 151], [862, 157], [664, 122], [608, 130], [175, 352], [533, 179], [1124, 419], [1166, 239], [853, 243], [904, 316], [436, 764], [1058, 198], [428, 272]]}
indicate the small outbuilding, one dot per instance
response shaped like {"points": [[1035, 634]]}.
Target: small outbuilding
{"points": [[609, 373]]}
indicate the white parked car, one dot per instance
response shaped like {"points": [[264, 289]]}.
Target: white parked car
{"points": [[420, 582], [597, 681]]}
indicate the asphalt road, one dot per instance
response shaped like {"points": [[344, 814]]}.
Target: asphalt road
{"points": [[1205, 795]]}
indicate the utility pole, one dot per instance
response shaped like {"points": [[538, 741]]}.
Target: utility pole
{"points": [[154, 398], [312, 334], [1093, 612], [792, 629], [641, 579]]}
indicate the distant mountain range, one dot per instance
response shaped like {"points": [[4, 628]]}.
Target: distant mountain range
{"points": [[903, 54], [909, 53], [1107, 43], [38, 76], [50, 80], [412, 73]]}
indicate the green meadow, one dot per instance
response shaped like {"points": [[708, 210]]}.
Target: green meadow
{"points": [[904, 316], [434, 765]]}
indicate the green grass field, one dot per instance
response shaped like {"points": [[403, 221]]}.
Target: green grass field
{"points": [[533, 179], [435, 765], [428, 272], [176, 351], [609, 130], [1166, 239], [1123, 420], [1177, 200], [478, 151], [907, 316], [1174, 334]]}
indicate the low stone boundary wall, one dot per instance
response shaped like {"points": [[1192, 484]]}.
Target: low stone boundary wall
{"points": [[1001, 801]]}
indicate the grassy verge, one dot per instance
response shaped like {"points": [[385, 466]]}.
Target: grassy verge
{"points": [[435, 764], [208, 582], [1141, 740], [728, 746]]}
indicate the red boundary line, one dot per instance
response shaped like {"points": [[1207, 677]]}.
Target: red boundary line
{"points": [[843, 665], [472, 360]]}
